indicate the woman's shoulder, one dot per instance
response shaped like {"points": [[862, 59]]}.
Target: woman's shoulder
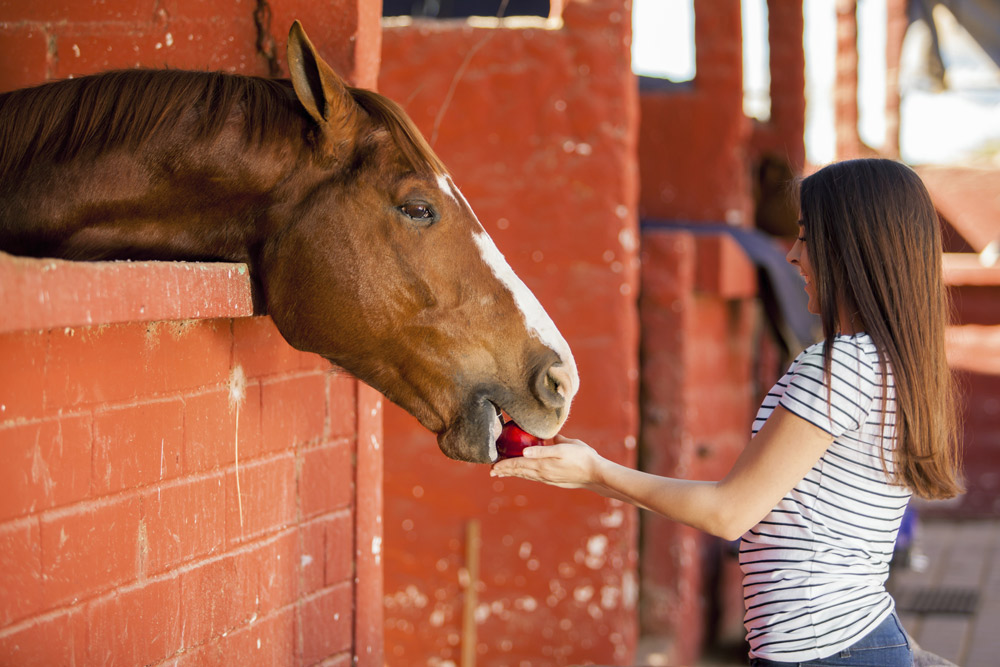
{"points": [[851, 355]]}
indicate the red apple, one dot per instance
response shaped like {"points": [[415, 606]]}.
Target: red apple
{"points": [[513, 440]]}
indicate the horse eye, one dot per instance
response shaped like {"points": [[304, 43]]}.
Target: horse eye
{"points": [[419, 212]]}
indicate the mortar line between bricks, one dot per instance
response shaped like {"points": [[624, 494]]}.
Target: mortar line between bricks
{"points": [[174, 573], [88, 410], [98, 502], [309, 597], [290, 375], [337, 513], [240, 548], [292, 607], [104, 500], [321, 442], [45, 616]]}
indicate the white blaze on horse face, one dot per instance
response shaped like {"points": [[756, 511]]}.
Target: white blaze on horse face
{"points": [[536, 320], [449, 188]]}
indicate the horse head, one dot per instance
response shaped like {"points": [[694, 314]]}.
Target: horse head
{"points": [[381, 266]]}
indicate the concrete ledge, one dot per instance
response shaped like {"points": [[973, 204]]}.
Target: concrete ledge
{"points": [[50, 293]]}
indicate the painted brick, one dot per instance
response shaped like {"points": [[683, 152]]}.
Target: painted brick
{"points": [[217, 597], [312, 563], [46, 464], [181, 44], [68, 11], [89, 548], [266, 641], [137, 625], [182, 520], [267, 495], [23, 56], [723, 268], [123, 361], [23, 374], [276, 569], [212, 10], [325, 621], [261, 351], [342, 392], [337, 41], [340, 660], [326, 478], [42, 294], [293, 411], [138, 444], [224, 594], [55, 639], [20, 571], [327, 551], [208, 45], [340, 548], [210, 436]]}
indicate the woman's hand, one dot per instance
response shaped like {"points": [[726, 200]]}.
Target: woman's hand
{"points": [[568, 463]]}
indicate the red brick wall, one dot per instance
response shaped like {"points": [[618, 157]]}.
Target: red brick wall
{"points": [[54, 39], [701, 342], [974, 353], [175, 487], [538, 128], [705, 355], [693, 147]]}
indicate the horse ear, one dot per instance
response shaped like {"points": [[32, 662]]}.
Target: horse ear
{"points": [[323, 94]]}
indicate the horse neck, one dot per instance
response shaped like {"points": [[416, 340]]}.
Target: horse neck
{"points": [[173, 199]]}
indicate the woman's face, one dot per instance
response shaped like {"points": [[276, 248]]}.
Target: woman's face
{"points": [[799, 258]]}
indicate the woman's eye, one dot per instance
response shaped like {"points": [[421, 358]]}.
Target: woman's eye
{"points": [[419, 212]]}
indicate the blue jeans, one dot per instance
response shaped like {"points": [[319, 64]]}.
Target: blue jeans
{"points": [[885, 646]]}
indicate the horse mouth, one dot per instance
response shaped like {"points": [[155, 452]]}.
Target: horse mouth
{"points": [[473, 438]]}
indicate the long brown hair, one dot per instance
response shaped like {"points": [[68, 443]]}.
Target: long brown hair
{"points": [[874, 242]]}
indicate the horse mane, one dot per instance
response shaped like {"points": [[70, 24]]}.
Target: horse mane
{"points": [[406, 135], [60, 120]]}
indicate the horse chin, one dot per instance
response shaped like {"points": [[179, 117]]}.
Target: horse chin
{"points": [[473, 437]]}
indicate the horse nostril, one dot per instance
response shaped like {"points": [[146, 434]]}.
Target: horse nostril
{"points": [[555, 386]]}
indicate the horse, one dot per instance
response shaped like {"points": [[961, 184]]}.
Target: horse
{"points": [[359, 245]]}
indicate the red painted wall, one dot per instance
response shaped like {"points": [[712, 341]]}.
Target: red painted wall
{"points": [[538, 127], [974, 353], [179, 485], [706, 357]]}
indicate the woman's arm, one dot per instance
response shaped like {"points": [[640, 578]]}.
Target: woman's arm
{"points": [[774, 461]]}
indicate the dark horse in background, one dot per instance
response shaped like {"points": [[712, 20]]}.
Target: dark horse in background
{"points": [[360, 246]]}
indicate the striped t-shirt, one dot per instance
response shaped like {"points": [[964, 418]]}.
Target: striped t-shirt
{"points": [[815, 567]]}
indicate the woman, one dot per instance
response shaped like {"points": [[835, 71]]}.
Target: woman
{"points": [[858, 423]]}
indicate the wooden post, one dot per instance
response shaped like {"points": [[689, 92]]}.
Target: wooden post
{"points": [[472, 546]]}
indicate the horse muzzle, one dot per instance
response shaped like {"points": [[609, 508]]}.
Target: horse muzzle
{"points": [[541, 411]]}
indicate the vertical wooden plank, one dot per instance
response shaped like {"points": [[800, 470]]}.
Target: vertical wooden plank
{"points": [[472, 546]]}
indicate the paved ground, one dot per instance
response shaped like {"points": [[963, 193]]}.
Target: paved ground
{"points": [[958, 562], [948, 598]]}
